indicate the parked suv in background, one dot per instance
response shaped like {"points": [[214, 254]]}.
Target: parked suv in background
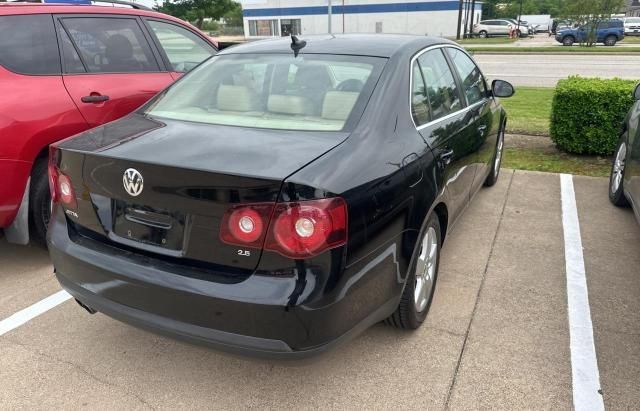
{"points": [[489, 28], [607, 32], [632, 26], [65, 69], [523, 28]]}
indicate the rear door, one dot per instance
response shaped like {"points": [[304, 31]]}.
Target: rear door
{"points": [[484, 113], [502, 27], [181, 48], [492, 27], [443, 122], [110, 67]]}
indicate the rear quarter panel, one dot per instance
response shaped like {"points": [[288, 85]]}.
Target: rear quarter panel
{"points": [[35, 111], [632, 175]]}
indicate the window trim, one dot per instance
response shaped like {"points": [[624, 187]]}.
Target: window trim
{"points": [[156, 55], [156, 42], [460, 82], [424, 82], [63, 62], [455, 76]]}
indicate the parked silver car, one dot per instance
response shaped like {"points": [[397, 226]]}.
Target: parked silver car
{"points": [[489, 28]]}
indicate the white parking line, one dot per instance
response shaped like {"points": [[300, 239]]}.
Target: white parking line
{"points": [[31, 312], [584, 363]]}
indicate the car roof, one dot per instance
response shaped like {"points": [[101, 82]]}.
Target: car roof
{"points": [[377, 45], [52, 8]]}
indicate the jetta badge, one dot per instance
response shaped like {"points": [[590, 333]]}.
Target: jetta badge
{"points": [[133, 182]]}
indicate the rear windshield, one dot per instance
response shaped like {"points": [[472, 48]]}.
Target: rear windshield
{"points": [[632, 20], [314, 92]]}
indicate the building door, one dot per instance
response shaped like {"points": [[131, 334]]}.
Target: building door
{"points": [[289, 27]]}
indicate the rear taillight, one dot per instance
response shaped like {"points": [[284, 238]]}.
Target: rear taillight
{"points": [[60, 184], [246, 225], [294, 229]]}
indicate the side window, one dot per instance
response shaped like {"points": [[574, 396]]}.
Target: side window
{"points": [[28, 44], [472, 81], [442, 91], [419, 101], [72, 62], [111, 45], [184, 49]]}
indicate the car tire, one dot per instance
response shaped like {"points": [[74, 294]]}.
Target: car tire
{"points": [[39, 201], [568, 41], [421, 281], [610, 40], [616, 179], [492, 178], [483, 34]]}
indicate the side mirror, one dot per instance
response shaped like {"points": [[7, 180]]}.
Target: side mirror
{"points": [[501, 88], [636, 93]]}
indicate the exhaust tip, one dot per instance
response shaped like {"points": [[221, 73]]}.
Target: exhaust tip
{"points": [[86, 307]]}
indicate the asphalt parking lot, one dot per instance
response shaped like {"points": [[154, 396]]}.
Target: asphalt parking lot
{"points": [[497, 335], [544, 70]]}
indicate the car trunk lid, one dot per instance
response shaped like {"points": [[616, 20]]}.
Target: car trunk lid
{"points": [[162, 187]]}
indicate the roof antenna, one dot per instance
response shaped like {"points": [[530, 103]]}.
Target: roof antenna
{"points": [[297, 45]]}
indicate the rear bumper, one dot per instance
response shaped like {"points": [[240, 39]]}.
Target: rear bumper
{"points": [[250, 317], [15, 174]]}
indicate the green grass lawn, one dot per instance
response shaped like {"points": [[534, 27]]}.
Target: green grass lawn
{"points": [[631, 39], [558, 49], [529, 110], [554, 161]]}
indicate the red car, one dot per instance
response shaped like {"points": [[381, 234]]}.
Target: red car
{"points": [[65, 69]]}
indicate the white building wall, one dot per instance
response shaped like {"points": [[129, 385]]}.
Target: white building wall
{"points": [[441, 23]]}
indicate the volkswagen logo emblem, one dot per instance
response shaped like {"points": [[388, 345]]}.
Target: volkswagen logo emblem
{"points": [[133, 182]]}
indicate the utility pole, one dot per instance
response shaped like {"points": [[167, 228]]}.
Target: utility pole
{"points": [[473, 14], [519, 17], [329, 14], [466, 18], [459, 20]]}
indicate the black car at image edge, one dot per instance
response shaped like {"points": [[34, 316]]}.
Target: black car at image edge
{"points": [[281, 197], [624, 181]]}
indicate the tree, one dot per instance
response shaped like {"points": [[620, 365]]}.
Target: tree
{"points": [[234, 16], [511, 8], [198, 10], [590, 13]]}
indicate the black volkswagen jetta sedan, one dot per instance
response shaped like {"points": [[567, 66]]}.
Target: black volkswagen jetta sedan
{"points": [[624, 182], [281, 197]]}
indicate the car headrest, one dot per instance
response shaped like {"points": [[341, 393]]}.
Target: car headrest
{"points": [[338, 104], [280, 103], [236, 98]]}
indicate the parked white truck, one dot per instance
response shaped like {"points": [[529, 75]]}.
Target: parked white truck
{"points": [[542, 22]]}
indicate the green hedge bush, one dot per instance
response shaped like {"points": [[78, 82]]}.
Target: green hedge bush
{"points": [[587, 112]]}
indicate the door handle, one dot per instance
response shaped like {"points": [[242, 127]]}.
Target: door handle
{"points": [[482, 128], [94, 99], [446, 157]]}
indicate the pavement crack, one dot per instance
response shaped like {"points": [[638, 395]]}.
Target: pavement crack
{"points": [[475, 306], [81, 370], [445, 331]]}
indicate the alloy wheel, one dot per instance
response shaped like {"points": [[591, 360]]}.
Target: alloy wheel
{"points": [[618, 168], [426, 269]]}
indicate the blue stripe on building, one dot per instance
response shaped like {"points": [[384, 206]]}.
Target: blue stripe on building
{"points": [[355, 9]]}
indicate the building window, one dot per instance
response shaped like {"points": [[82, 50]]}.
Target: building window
{"points": [[378, 27], [263, 27], [290, 26]]}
